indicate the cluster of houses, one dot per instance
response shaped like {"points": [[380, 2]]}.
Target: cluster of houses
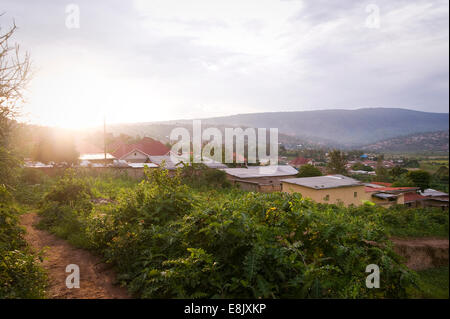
{"points": [[331, 189]]}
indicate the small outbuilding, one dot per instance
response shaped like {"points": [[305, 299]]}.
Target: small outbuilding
{"points": [[260, 178]]}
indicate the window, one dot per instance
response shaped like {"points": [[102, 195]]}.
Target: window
{"points": [[355, 194], [326, 198]]}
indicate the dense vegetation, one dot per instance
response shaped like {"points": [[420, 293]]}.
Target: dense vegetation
{"points": [[20, 273], [169, 239]]}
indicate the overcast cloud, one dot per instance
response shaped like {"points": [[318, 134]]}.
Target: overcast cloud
{"points": [[148, 60]]}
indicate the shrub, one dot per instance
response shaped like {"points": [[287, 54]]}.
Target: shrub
{"points": [[309, 170], [69, 190], [170, 240], [32, 176], [20, 274]]}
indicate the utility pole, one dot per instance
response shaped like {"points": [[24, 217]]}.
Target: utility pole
{"points": [[104, 137]]}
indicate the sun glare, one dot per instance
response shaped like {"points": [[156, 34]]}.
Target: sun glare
{"points": [[82, 97]]}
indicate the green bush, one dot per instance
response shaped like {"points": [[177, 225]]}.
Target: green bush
{"points": [[407, 222], [32, 176], [309, 170], [20, 274], [201, 176], [169, 240], [70, 190]]}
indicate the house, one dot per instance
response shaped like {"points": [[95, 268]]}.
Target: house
{"points": [[413, 199], [260, 178], [331, 189], [300, 161], [360, 172], [141, 151], [385, 195], [434, 198]]}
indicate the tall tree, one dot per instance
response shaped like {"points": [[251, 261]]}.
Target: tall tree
{"points": [[382, 174], [14, 75], [420, 178], [337, 162], [55, 147], [308, 170]]}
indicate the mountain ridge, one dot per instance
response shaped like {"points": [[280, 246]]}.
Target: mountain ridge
{"points": [[333, 127]]}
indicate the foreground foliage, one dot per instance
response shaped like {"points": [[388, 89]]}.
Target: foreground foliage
{"points": [[20, 274], [169, 240]]}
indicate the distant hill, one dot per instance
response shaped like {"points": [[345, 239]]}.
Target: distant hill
{"points": [[428, 142], [161, 132], [343, 127], [334, 128]]}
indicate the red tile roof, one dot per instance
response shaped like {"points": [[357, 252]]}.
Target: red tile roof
{"points": [[147, 146], [382, 184], [299, 161]]}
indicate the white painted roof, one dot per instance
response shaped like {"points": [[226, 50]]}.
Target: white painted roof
{"points": [[141, 165], [432, 192], [95, 156], [261, 171], [323, 182], [158, 160]]}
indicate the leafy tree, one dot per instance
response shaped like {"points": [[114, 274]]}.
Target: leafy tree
{"points": [[403, 181], [361, 167], [58, 149], [14, 75], [397, 171], [309, 170], [442, 173], [337, 162], [382, 174], [413, 163], [420, 178], [439, 179]]}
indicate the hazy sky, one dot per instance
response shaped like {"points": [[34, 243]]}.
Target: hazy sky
{"points": [[149, 60]]}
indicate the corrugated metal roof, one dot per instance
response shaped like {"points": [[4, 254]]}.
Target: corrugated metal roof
{"points": [[412, 197], [390, 189], [141, 165], [385, 195], [95, 157], [169, 164], [324, 182], [261, 171], [432, 192]]}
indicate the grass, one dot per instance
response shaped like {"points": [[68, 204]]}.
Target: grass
{"points": [[433, 283]]}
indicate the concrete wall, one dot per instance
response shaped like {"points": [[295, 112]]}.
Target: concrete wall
{"points": [[264, 184], [137, 173], [346, 195], [256, 187]]}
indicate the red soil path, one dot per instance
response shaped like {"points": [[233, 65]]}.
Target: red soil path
{"points": [[96, 280]]}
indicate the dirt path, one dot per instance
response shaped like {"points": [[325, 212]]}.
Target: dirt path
{"points": [[96, 280]]}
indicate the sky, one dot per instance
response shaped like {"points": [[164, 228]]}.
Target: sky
{"points": [[156, 60]]}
